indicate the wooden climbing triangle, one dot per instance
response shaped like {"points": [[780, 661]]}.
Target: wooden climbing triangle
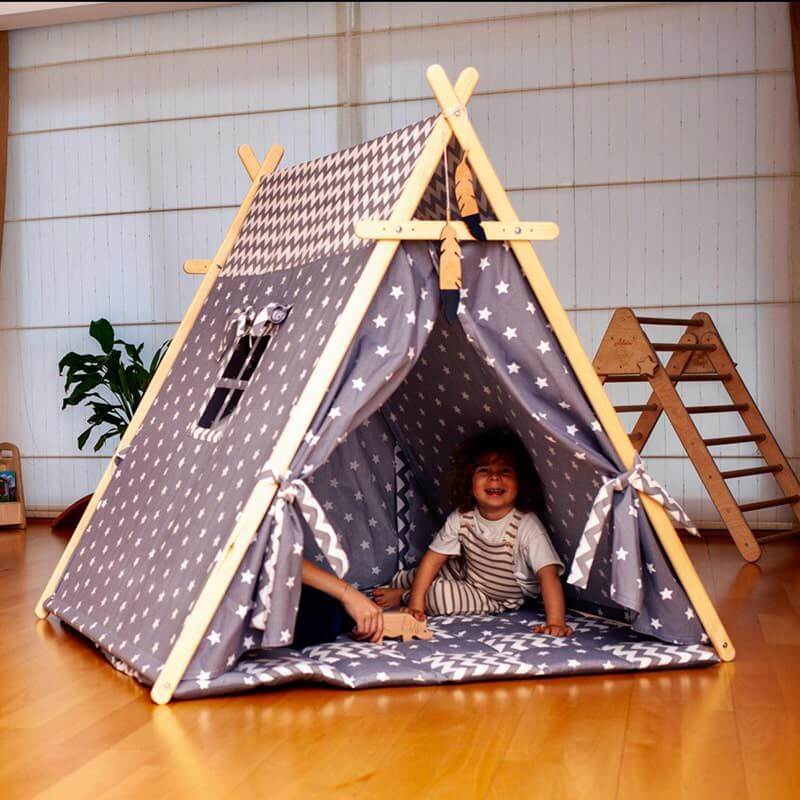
{"points": [[626, 354]]}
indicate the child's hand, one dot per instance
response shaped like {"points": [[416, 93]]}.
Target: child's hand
{"points": [[417, 613], [554, 630]]}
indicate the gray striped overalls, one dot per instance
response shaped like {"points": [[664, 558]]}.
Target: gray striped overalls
{"points": [[479, 581]]}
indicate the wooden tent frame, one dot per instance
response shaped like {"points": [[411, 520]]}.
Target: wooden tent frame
{"points": [[453, 121]]}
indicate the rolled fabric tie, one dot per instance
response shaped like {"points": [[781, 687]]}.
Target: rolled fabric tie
{"points": [[269, 318], [240, 321], [638, 479], [295, 490]]}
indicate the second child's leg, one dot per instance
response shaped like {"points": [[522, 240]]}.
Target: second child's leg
{"points": [[397, 591]]}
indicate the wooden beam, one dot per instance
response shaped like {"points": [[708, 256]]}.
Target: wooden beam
{"points": [[196, 266], [302, 415], [419, 230], [794, 21], [249, 160], [270, 164], [484, 172]]}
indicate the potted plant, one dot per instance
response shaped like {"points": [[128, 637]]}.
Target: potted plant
{"points": [[112, 384]]}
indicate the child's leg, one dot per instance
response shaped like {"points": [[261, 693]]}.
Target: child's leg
{"points": [[400, 585], [397, 591], [448, 596], [403, 579]]}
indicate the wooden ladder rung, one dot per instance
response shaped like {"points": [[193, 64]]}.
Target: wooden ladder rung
{"points": [[699, 377], [683, 347], [695, 377], [744, 473], [694, 323], [717, 409], [643, 407], [777, 501], [757, 437]]}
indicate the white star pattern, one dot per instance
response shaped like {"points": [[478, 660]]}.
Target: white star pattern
{"points": [[455, 386]]}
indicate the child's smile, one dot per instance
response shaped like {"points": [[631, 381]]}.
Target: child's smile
{"points": [[494, 486]]}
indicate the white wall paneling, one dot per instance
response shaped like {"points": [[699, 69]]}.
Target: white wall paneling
{"points": [[662, 137]]}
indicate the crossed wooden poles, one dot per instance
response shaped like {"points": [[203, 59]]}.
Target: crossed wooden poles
{"points": [[453, 121]]}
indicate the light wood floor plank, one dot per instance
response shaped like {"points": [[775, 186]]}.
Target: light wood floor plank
{"points": [[73, 727]]}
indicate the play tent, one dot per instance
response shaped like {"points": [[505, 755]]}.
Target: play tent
{"points": [[307, 408]]}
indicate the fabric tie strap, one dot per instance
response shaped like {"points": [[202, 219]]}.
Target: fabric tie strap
{"points": [[638, 479], [238, 325], [295, 490]]}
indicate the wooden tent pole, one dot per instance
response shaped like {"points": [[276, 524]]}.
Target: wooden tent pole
{"points": [[269, 165], [577, 357], [302, 415]]}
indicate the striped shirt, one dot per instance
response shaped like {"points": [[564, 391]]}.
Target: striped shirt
{"points": [[532, 548]]}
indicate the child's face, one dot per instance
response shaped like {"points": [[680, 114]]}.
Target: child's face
{"points": [[494, 485]]}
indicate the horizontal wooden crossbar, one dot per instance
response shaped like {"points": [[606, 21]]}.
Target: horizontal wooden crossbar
{"points": [[643, 407], [720, 409], [196, 266], [758, 437], [777, 501], [422, 230], [683, 347], [701, 377], [746, 473], [683, 323]]}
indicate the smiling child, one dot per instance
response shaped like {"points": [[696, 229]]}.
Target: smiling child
{"points": [[493, 551]]}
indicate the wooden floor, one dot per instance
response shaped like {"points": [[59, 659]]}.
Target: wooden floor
{"points": [[72, 727]]}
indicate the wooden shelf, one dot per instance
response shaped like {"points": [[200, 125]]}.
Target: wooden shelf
{"points": [[12, 514]]}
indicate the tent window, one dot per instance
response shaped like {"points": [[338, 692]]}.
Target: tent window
{"points": [[243, 358]]}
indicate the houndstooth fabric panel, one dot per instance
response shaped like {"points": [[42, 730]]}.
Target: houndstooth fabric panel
{"points": [[309, 211], [434, 202]]}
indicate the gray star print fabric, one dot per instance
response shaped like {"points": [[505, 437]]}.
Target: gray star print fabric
{"points": [[367, 489], [463, 648]]}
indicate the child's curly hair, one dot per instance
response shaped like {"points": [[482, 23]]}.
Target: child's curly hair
{"points": [[503, 442]]}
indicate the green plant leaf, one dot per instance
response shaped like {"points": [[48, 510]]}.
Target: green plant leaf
{"points": [[122, 385], [102, 332], [134, 353], [71, 360], [84, 436], [158, 357], [104, 438], [83, 390]]}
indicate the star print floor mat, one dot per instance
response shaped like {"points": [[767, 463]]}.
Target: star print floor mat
{"points": [[464, 648]]}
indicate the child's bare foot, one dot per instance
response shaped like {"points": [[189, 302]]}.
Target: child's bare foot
{"points": [[554, 630], [388, 596]]}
